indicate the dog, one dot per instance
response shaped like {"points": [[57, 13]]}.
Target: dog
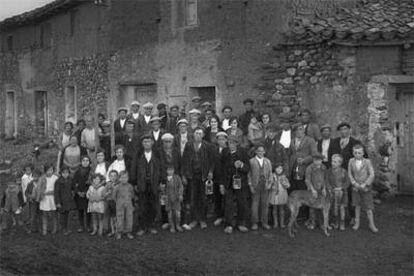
{"points": [[305, 198]]}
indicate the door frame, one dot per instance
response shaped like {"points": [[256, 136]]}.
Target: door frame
{"points": [[15, 120], [45, 112]]}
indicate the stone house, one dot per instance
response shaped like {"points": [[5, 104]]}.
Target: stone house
{"points": [[355, 66], [72, 57]]}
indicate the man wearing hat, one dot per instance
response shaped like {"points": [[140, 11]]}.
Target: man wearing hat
{"points": [[325, 145], [311, 129], [302, 149], [173, 118], [183, 136], [219, 146], [247, 115], [146, 171], [134, 116], [144, 120], [197, 168], [156, 132], [162, 113], [235, 168], [274, 151], [196, 102], [131, 141], [194, 121], [119, 125]]}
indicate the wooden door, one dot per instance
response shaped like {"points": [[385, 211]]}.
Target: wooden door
{"points": [[405, 139], [41, 113], [10, 124]]}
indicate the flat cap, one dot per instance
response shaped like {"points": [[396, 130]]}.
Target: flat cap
{"points": [[174, 106], [146, 136], [135, 103], [123, 108], [221, 133], [206, 104], [155, 119], [182, 121], [167, 137], [326, 126], [196, 99], [161, 106], [194, 111], [106, 123], [343, 124], [148, 105]]}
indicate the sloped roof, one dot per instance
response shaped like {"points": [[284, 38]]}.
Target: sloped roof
{"points": [[39, 13], [371, 21]]}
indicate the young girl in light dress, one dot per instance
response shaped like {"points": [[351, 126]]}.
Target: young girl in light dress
{"points": [[279, 196], [46, 199], [96, 204]]}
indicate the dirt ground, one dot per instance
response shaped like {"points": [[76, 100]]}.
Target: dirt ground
{"points": [[211, 252]]}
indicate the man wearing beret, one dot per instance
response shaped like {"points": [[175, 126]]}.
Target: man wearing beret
{"points": [[119, 125], [247, 115], [325, 145]]}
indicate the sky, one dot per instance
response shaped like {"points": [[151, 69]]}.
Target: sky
{"points": [[9, 8]]}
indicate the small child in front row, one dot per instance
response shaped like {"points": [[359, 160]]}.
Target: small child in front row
{"points": [[31, 195], [124, 195], [339, 182], [110, 200], [12, 203], [278, 195], [174, 192], [96, 204], [64, 198], [361, 175]]}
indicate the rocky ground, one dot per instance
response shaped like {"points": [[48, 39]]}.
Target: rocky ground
{"points": [[211, 252]]}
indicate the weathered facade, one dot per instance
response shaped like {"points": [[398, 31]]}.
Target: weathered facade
{"points": [[339, 58]]}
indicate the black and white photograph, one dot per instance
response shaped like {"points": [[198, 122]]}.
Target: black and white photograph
{"points": [[207, 137]]}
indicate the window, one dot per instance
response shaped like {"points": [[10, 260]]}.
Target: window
{"points": [[191, 18], [10, 43], [70, 104]]}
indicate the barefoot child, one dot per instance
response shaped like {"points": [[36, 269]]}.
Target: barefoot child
{"points": [[174, 192], [110, 200], [260, 181], [96, 204], [361, 175], [123, 195], [12, 203], [31, 195], [47, 204], [278, 195], [64, 198], [339, 182]]}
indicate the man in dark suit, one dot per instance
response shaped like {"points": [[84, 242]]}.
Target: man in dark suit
{"points": [[325, 145], [146, 170], [131, 141], [144, 120], [183, 136], [311, 129], [134, 116], [247, 115], [162, 113], [119, 125], [173, 119], [197, 168], [156, 132]]}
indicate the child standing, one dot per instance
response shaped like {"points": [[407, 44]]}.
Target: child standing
{"points": [[315, 179], [64, 198], [47, 204], [12, 203], [339, 182], [80, 186], [110, 200], [26, 179], [123, 195], [31, 195], [278, 195], [260, 182], [361, 175], [96, 204], [174, 191]]}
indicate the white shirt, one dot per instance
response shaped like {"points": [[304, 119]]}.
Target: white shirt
{"points": [[156, 134], [184, 141], [117, 165], [101, 169], [286, 138], [325, 147], [25, 181], [358, 164], [147, 118], [148, 156], [135, 115], [260, 160], [122, 122], [225, 124]]}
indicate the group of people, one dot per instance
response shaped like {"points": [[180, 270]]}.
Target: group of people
{"points": [[168, 168]]}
